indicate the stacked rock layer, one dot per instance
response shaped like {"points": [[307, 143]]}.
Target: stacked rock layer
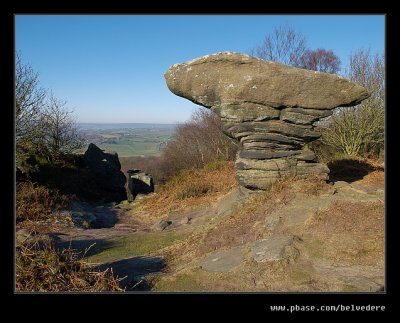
{"points": [[270, 108]]}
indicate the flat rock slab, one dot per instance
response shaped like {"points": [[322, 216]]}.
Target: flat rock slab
{"points": [[227, 78], [270, 249], [223, 261], [301, 209]]}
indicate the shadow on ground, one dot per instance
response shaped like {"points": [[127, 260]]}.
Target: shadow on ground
{"points": [[88, 247], [348, 170], [134, 271], [106, 217]]}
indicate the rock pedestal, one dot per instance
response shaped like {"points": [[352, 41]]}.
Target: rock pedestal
{"points": [[270, 108]]}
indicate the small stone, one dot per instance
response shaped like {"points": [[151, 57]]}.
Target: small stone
{"points": [[340, 184], [162, 225], [186, 220]]}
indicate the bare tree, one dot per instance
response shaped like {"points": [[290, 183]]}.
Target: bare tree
{"points": [[320, 60], [59, 132], [283, 45], [29, 100], [368, 71], [197, 143]]}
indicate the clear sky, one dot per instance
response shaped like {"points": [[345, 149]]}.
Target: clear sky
{"points": [[110, 68]]}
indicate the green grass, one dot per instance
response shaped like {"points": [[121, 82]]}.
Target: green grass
{"points": [[135, 149], [180, 283], [134, 245], [128, 149]]}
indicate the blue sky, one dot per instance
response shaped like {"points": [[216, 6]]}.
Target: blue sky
{"points": [[110, 68]]}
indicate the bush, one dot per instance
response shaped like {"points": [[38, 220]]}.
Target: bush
{"points": [[360, 130], [40, 268], [356, 130]]}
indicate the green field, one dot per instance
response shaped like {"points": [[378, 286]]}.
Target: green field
{"points": [[129, 142]]}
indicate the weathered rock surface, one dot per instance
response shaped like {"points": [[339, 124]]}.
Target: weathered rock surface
{"points": [[106, 169], [139, 183], [271, 249], [270, 108], [223, 261]]}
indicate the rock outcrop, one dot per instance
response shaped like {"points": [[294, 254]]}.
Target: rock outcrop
{"points": [[106, 169], [139, 183], [270, 108]]}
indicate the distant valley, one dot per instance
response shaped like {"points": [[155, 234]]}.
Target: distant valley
{"points": [[128, 139]]}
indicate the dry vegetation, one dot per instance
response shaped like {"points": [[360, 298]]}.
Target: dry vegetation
{"points": [[35, 202], [348, 236], [189, 189], [40, 268], [245, 224]]}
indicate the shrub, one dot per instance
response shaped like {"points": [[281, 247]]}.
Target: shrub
{"points": [[360, 130], [356, 130]]}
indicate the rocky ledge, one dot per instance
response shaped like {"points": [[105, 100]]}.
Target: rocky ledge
{"points": [[270, 108]]}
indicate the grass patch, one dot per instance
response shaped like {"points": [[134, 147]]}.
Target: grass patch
{"points": [[134, 245], [350, 288], [316, 249], [300, 275], [178, 283], [348, 233]]}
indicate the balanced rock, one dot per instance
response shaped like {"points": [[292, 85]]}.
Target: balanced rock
{"points": [[270, 108]]}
